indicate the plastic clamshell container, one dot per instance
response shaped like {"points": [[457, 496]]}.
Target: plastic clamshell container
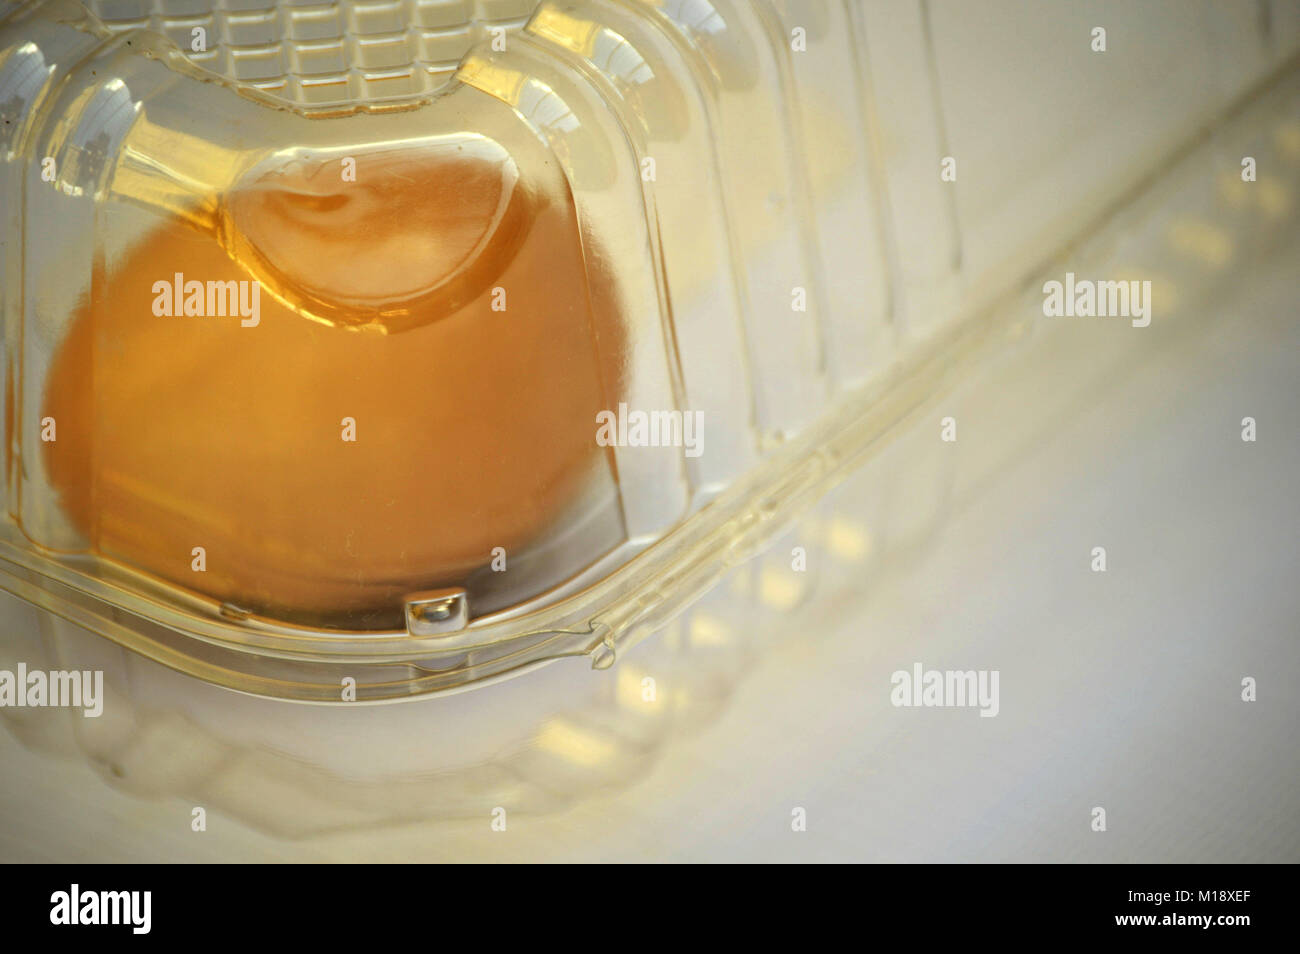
{"points": [[425, 342]]}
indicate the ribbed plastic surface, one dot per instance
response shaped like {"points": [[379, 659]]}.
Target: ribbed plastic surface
{"points": [[312, 54]]}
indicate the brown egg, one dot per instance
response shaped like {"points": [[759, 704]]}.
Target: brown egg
{"points": [[474, 427]]}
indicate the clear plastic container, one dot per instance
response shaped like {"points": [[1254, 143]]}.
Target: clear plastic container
{"points": [[791, 264], [330, 329]]}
